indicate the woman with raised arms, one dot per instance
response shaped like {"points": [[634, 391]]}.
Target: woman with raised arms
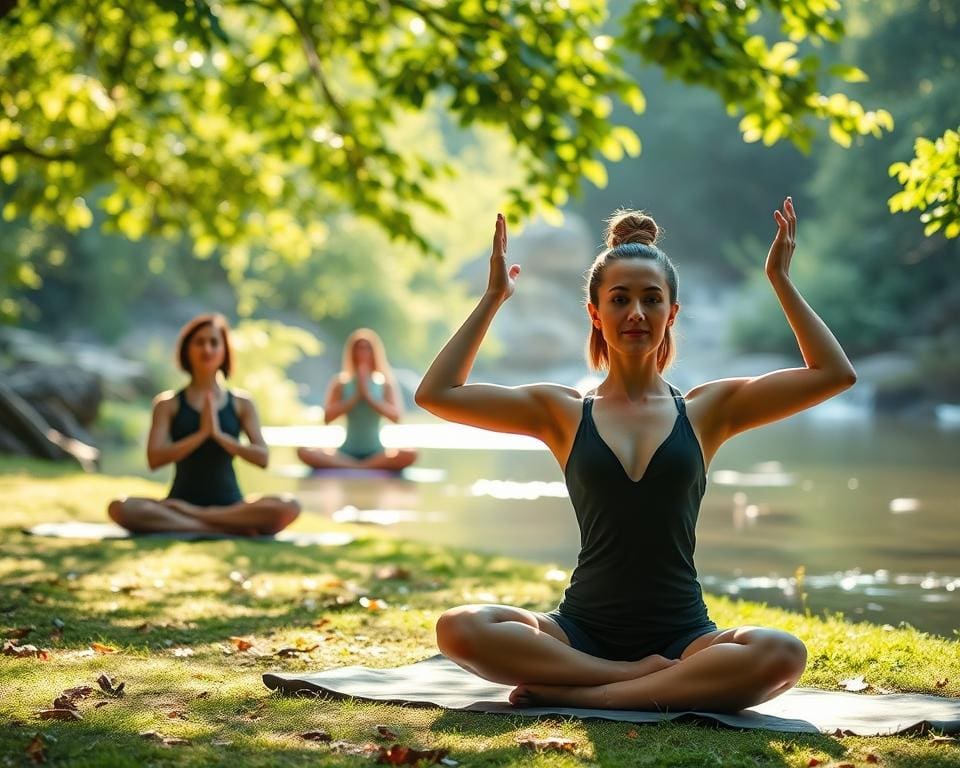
{"points": [[632, 630]]}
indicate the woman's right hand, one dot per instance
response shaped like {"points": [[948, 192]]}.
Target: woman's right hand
{"points": [[207, 417], [503, 280]]}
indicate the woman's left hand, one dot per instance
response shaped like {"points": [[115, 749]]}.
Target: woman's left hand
{"points": [[214, 415], [781, 250]]}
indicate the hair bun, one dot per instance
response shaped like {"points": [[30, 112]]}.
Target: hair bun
{"points": [[626, 226]]}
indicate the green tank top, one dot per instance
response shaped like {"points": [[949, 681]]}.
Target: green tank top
{"points": [[363, 423]]}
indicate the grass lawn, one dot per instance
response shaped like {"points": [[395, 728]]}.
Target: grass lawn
{"points": [[192, 626]]}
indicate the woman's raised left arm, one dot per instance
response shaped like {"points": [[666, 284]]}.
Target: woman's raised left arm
{"points": [[736, 405]]}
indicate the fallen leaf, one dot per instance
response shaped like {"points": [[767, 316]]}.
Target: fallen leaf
{"points": [[64, 702], [25, 651], [854, 684], [384, 732], [58, 714], [813, 762], [373, 604], [552, 744], [400, 755], [36, 750], [102, 649], [242, 643], [293, 653], [315, 736], [320, 623], [79, 692], [177, 714], [348, 748], [100, 704], [872, 758], [632, 733], [107, 685], [202, 695], [18, 633], [386, 572], [941, 683], [145, 628]]}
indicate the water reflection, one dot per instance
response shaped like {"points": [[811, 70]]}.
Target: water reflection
{"points": [[870, 510]]}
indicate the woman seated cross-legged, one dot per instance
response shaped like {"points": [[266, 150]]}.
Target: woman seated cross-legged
{"points": [[632, 631], [199, 428], [364, 391]]}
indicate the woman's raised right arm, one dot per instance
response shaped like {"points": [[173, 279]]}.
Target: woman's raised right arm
{"points": [[527, 410], [160, 449]]}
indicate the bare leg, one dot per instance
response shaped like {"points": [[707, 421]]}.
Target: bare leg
{"points": [[393, 459], [140, 515], [263, 516], [724, 671], [321, 459], [513, 645]]}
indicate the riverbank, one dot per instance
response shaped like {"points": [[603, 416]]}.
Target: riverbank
{"points": [[190, 627]]}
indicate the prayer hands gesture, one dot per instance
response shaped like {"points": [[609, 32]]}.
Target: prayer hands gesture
{"points": [[502, 281], [781, 250], [209, 418]]}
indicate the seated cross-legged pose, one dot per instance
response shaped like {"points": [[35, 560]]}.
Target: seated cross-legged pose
{"points": [[199, 428], [632, 631], [365, 390]]}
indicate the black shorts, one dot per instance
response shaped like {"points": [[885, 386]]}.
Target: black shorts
{"points": [[583, 641]]}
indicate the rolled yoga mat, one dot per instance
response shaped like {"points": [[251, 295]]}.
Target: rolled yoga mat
{"points": [[439, 682]]}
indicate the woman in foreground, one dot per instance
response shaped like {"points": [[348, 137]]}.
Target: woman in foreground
{"points": [[632, 631], [198, 428]]}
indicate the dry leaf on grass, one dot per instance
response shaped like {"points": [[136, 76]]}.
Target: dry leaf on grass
{"points": [[551, 744], [373, 604], [107, 685], [348, 748], [854, 684], [385, 732], [64, 702], [316, 736], [813, 762], [102, 649], [169, 741], [872, 758], [58, 714], [18, 633], [25, 651], [242, 643], [386, 572], [942, 682], [401, 755], [78, 692], [37, 750], [202, 695]]}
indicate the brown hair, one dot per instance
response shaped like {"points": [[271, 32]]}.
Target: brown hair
{"points": [[219, 322], [629, 235]]}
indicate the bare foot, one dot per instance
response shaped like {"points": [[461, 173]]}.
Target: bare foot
{"points": [[590, 696], [532, 695]]}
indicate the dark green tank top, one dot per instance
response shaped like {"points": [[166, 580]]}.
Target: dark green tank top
{"points": [[205, 477], [635, 583]]}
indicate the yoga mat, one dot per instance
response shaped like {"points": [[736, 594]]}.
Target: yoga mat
{"points": [[438, 681], [100, 531]]}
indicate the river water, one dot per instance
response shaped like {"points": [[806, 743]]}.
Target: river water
{"points": [[870, 511]]}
